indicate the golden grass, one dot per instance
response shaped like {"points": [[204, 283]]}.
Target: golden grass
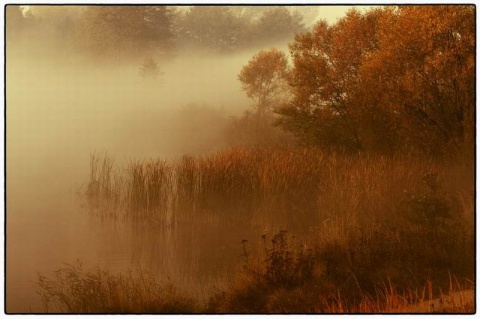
{"points": [[404, 219], [389, 300], [301, 186]]}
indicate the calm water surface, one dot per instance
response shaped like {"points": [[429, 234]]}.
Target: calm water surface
{"points": [[47, 227]]}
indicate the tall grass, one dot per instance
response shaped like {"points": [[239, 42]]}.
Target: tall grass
{"points": [[149, 190], [301, 187], [375, 205], [104, 192], [364, 220]]}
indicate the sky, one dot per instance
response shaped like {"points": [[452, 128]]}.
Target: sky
{"points": [[332, 13]]}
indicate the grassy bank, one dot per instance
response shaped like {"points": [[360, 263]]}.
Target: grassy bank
{"points": [[288, 281]]}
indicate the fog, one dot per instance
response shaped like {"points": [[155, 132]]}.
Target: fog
{"points": [[61, 107], [59, 111]]}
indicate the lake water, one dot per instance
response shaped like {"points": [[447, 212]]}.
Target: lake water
{"points": [[47, 227], [60, 108], [59, 111]]}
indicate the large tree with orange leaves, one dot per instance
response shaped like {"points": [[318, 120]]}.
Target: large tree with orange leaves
{"points": [[424, 73], [385, 79]]}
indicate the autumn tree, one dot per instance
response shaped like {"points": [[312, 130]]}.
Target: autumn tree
{"points": [[264, 79], [324, 81], [424, 74], [385, 79]]}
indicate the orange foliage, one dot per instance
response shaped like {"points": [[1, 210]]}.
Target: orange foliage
{"points": [[389, 78]]}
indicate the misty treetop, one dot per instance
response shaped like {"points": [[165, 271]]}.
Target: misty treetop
{"points": [[130, 31], [229, 28]]}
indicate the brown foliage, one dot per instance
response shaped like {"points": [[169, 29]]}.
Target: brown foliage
{"points": [[390, 78]]}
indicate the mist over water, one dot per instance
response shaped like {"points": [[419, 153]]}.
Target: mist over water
{"points": [[61, 109], [62, 106], [131, 145]]}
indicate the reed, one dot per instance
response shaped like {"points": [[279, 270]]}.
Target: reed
{"points": [[105, 188], [149, 189], [303, 187], [366, 219], [187, 186]]}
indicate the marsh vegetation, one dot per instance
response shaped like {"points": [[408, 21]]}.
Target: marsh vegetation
{"points": [[183, 162]]}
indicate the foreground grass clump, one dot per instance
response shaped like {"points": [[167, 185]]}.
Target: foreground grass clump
{"points": [[291, 279], [75, 290]]}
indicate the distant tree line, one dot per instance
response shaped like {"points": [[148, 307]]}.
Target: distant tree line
{"points": [[390, 78], [126, 31], [227, 28]]}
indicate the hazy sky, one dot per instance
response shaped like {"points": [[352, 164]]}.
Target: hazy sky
{"points": [[332, 13]]}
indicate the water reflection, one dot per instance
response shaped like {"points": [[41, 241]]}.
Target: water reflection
{"points": [[197, 255]]}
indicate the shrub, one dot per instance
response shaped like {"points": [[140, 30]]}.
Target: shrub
{"points": [[253, 129], [286, 266]]}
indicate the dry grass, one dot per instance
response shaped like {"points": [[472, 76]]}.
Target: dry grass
{"points": [[301, 186], [104, 189], [149, 190], [293, 279], [75, 290], [405, 220], [358, 208], [389, 300]]}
